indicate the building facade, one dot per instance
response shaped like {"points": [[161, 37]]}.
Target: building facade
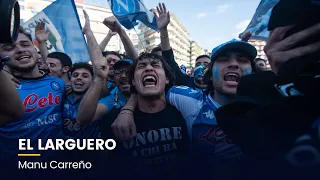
{"points": [[195, 51], [259, 45], [98, 10], [179, 40]]}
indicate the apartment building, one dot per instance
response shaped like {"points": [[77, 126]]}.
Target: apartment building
{"points": [[195, 51]]}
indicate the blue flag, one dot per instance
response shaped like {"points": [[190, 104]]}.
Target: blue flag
{"points": [[259, 23], [128, 12], [62, 20]]}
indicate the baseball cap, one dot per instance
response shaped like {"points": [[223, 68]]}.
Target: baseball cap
{"points": [[234, 44], [122, 62]]}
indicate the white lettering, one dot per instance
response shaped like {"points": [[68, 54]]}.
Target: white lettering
{"points": [[90, 145], [165, 134], [40, 145], [110, 148], [70, 144], [22, 144], [177, 133], [59, 144], [153, 136]]}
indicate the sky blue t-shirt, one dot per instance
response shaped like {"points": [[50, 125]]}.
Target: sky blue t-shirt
{"points": [[209, 142], [115, 99], [72, 129], [42, 99]]}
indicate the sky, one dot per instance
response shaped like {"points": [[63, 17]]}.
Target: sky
{"points": [[211, 22]]}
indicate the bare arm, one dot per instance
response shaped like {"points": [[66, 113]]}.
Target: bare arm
{"points": [[42, 36], [124, 127], [106, 40], [113, 24], [89, 102], [13, 108]]}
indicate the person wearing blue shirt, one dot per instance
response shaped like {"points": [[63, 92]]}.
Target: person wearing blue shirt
{"points": [[211, 147], [41, 96], [120, 95], [81, 79]]}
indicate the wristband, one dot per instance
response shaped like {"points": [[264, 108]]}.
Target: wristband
{"points": [[127, 110], [124, 113]]}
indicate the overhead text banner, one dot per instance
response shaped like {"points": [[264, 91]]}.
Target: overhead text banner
{"points": [[62, 20]]}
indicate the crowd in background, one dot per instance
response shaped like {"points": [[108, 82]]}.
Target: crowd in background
{"points": [[229, 118]]}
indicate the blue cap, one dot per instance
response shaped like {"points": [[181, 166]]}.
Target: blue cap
{"points": [[122, 62], [245, 47]]}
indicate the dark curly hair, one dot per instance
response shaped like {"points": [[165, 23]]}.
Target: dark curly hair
{"points": [[167, 69]]}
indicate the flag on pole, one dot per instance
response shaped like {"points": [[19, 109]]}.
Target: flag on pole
{"points": [[62, 20], [258, 26], [128, 12]]}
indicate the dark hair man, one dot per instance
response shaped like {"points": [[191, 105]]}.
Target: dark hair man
{"points": [[59, 65], [113, 24], [280, 113], [161, 146], [41, 96], [81, 80], [120, 95], [212, 148]]}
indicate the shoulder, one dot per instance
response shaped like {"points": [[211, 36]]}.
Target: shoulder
{"points": [[185, 91]]}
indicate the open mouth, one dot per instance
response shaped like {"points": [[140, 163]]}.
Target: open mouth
{"points": [[149, 81], [79, 84], [232, 77], [23, 57]]}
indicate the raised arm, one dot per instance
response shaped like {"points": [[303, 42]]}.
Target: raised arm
{"points": [[163, 20], [113, 24], [42, 37], [88, 104], [106, 40]]}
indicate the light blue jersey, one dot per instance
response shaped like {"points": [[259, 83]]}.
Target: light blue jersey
{"points": [[114, 100], [209, 142]]}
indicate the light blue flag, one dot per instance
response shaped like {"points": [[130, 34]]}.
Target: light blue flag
{"points": [[259, 23], [128, 12], [62, 20]]}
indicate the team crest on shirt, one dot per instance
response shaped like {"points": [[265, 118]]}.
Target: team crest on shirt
{"points": [[55, 86]]}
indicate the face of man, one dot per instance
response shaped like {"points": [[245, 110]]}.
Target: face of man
{"points": [[227, 70], [150, 78], [261, 64], [56, 68], [23, 56], [41, 64], [204, 61], [122, 80], [111, 60], [80, 80]]}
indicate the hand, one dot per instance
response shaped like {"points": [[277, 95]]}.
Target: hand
{"points": [[113, 24], [246, 36], [163, 19], [41, 34], [124, 127], [86, 26], [69, 91], [101, 69], [279, 50], [111, 33]]}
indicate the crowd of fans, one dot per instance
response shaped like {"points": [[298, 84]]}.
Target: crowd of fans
{"points": [[218, 122]]}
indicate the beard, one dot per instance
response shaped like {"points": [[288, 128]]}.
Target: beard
{"points": [[22, 69]]}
